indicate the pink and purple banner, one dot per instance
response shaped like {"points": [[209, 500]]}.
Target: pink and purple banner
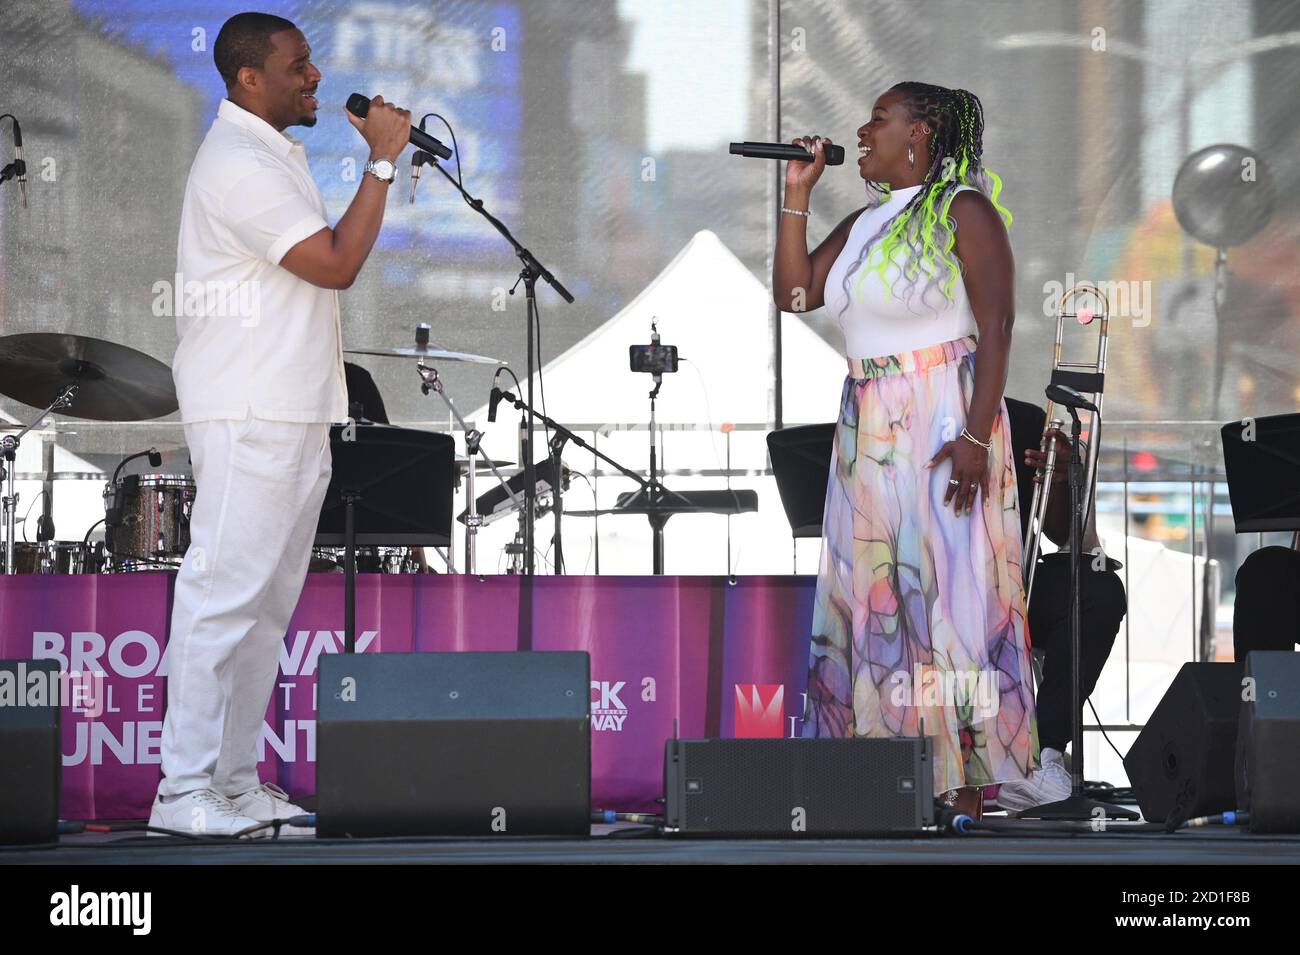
{"points": [[721, 658]]}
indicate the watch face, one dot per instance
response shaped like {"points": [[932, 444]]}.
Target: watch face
{"points": [[383, 169]]}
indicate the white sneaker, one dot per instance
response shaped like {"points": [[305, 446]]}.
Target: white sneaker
{"points": [[268, 801], [1050, 783], [203, 812]]}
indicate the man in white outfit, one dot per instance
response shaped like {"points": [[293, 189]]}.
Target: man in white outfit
{"points": [[259, 376]]}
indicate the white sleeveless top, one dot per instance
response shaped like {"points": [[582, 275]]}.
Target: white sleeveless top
{"points": [[877, 323]]}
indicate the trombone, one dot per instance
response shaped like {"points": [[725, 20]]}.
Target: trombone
{"points": [[1088, 378]]}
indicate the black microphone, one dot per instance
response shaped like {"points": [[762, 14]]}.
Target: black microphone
{"points": [[497, 395], [155, 460], [359, 105], [834, 154], [1065, 395]]}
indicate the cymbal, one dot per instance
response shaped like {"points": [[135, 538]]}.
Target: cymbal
{"points": [[428, 352], [116, 383]]}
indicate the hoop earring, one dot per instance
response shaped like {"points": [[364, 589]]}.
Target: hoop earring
{"points": [[911, 159]]}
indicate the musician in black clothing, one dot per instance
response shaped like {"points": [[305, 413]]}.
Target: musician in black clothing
{"points": [[1102, 608]]}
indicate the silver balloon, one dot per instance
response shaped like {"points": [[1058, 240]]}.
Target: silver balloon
{"points": [[1223, 195]]}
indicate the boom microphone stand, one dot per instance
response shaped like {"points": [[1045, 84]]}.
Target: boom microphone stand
{"points": [[562, 436], [529, 274]]}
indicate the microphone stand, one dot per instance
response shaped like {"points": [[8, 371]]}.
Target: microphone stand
{"points": [[430, 380], [8, 455], [654, 493], [529, 274], [557, 504], [1077, 806], [564, 435]]}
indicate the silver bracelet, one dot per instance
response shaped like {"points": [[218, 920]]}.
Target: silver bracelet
{"points": [[796, 212], [970, 437]]}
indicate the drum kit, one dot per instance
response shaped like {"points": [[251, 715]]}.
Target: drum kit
{"points": [[101, 381], [147, 515]]}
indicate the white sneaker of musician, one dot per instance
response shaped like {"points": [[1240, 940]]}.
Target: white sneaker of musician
{"points": [[201, 812], [267, 802], [1049, 783]]}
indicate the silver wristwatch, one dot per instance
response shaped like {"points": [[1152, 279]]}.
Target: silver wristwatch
{"points": [[382, 169]]}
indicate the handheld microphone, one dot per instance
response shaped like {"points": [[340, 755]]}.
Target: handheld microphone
{"points": [[359, 105], [834, 154]]}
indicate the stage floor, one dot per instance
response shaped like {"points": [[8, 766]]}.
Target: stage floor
{"points": [[620, 845]]}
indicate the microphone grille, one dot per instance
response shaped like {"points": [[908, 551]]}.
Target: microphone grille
{"points": [[358, 105]]}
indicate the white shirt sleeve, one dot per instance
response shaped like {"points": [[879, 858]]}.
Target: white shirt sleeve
{"points": [[268, 213]]}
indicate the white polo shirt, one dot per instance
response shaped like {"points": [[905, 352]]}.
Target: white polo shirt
{"points": [[254, 338]]}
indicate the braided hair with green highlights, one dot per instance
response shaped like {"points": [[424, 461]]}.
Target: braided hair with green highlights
{"points": [[956, 119]]}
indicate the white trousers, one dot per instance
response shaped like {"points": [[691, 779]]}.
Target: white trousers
{"points": [[259, 489]]}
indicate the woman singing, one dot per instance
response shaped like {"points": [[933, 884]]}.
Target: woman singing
{"points": [[919, 624]]}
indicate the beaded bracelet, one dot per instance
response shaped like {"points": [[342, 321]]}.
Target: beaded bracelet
{"points": [[796, 212]]}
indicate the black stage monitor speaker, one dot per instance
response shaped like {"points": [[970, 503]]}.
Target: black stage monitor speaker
{"points": [[798, 787], [30, 751], [1183, 757], [454, 744], [1268, 742]]}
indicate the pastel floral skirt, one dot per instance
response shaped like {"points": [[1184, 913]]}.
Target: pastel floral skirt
{"points": [[919, 623]]}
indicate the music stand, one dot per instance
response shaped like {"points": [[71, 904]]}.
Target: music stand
{"points": [[801, 464], [390, 487], [1262, 459]]}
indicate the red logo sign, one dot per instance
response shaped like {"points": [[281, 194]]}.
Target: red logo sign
{"points": [[760, 710]]}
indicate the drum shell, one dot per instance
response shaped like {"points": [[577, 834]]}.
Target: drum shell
{"points": [[152, 530], [58, 557]]}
